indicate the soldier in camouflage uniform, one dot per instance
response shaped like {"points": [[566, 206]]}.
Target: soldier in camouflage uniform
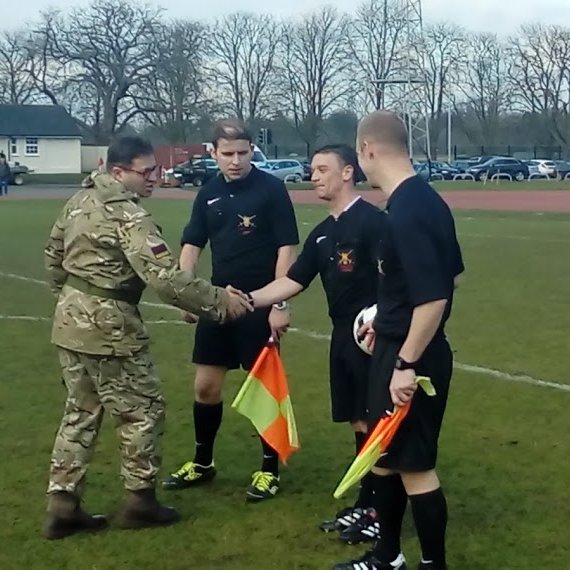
{"points": [[103, 250]]}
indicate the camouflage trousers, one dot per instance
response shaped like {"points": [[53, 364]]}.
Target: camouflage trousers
{"points": [[128, 389]]}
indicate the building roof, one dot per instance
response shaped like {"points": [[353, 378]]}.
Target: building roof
{"points": [[37, 121]]}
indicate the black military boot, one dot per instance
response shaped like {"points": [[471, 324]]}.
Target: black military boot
{"points": [[65, 517], [142, 509]]}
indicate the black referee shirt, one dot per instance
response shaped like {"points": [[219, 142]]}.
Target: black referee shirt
{"points": [[246, 221], [418, 258], [344, 253]]}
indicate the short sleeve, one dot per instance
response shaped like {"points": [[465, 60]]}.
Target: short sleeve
{"points": [[283, 220], [305, 267], [196, 230], [424, 263]]}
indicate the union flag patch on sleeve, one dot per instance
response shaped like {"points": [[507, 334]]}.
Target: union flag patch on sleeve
{"points": [[159, 251]]}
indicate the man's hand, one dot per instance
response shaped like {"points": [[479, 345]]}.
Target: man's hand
{"points": [[238, 303], [366, 331], [279, 321], [403, 386]]}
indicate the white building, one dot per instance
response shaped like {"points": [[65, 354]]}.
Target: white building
{"points": [[45, 138]]}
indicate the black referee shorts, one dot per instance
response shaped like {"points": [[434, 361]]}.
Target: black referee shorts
{"points": [[349, 372], [232, 345], [414, 447]]}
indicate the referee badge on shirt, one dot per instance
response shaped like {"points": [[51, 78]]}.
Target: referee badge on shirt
{"points": [[345, 261], [246, 224]]}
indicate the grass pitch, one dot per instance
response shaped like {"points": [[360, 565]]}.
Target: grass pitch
{"points": [[504, 456]]}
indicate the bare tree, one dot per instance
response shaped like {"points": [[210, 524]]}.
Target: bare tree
{"points": [[172, 97], [101, 53], [375, 38], [483, 88], [315, 70], [242, 48], [540, 77], [16, 85], [442, 47], [47, 73]]}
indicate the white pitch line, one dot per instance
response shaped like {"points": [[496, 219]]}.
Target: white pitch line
{"points": [[522, 378], [518, 238], [48, 320], [473, 369]]}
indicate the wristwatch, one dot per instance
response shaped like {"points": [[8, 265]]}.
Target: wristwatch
{"points": [[402, 364], [282, 306]]}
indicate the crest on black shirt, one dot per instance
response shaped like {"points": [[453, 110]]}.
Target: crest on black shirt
{"points": [[345, 261], [246, 224], [380, 268]]}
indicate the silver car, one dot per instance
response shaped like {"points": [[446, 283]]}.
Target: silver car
{"points": [[286, 170]]}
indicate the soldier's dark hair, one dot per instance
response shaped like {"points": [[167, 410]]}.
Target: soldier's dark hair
{"points": [[231, 130], [123, 150], [347, 156]]}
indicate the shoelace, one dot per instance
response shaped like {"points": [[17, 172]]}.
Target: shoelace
{"points": [[263, 481], [364, 521], [187, 469]]}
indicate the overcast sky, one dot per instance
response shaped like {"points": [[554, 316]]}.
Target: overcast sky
{"points": [[500, 16]]}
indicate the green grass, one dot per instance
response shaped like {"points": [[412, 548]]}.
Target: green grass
{"points": [[504, 449]]}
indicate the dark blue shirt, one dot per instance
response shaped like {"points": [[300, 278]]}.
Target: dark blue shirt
{"points": [[344, 252], [419, 257], [246, 222]]}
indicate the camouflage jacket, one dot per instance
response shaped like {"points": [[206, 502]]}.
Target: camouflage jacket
{"points": [[106, 239]]}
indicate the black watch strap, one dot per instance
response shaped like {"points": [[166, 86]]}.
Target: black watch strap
{"points": [[402, 364]]}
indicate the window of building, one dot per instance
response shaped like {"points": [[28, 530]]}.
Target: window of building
{"points": [[32, 147], [13, 147]]}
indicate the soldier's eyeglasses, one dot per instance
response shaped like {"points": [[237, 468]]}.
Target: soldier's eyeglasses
{"points": [[146, 173]]}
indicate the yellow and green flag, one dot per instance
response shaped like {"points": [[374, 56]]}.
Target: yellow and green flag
{"points": [[264, 399]]}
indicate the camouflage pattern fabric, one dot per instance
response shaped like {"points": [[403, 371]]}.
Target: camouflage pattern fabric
{"points": [[106, 238], [128, 389]]}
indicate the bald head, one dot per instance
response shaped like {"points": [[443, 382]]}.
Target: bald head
{"points": [[385, 129]]}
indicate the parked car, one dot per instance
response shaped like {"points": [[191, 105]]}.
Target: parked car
{"points": [[544, 167], [562, 169], [461, 165], [196, 172], [436, 170], [18, 173], [286, 170], [517, 169]]}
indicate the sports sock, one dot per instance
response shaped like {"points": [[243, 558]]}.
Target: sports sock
{"points": [[366, 491], [270, 462], [207, 421], [390, 500], [430, 518]]}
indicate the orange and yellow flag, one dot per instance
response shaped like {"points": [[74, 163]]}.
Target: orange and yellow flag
{"points": [[378, 442], [264, 399]]}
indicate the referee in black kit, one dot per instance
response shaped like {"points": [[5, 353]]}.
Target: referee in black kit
{"points": [[419, 261], [248, 218], [343, 250]]}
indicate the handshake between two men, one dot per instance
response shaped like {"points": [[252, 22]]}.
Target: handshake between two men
{"points": [[240, 303]]}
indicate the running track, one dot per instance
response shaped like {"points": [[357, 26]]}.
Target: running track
{"points": [[505, 200]]}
